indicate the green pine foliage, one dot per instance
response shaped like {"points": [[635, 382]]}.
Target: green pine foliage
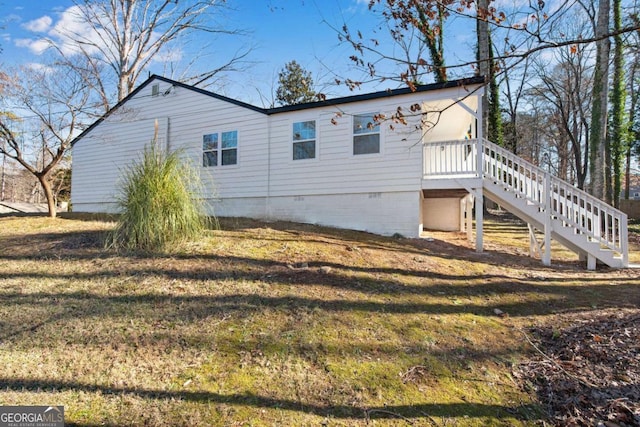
{"points": [[295, 85], [158, 209]]}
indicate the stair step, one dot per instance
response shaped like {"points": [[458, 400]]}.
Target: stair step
{"points": [[562, 231]]}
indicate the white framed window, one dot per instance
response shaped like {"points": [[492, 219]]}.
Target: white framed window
{"points": [[304, 140], [220, 149], [366, 134]]}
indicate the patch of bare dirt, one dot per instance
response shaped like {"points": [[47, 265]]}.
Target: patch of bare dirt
{"points": [[587, 373]]}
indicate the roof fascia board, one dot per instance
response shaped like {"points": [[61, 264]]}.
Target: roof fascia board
{"points": [[472, 81], [212, 94]]}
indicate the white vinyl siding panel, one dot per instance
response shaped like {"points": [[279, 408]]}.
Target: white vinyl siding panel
{"points": [[338, 171], [374, 192], [101, 155], [100, 161], [196, 115]]}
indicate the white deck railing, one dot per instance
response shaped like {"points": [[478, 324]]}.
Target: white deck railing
{"points": [[586, 214], [449, 158]]}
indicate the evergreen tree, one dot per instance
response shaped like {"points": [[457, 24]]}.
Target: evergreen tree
{"points": [[295, 85]]}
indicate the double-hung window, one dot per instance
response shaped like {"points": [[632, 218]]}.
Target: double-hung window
{"points": [[220, 149], [304, 140], [366, 134]]}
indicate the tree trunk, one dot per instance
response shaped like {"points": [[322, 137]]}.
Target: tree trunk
{"points": [[4, 177], [598, 166], [627, 173], [48, 192], [618, 95], [633, 128], [494, 126], [482, 30]]}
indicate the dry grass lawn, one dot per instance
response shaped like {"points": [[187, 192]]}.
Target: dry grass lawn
{"points": [[282, 324]]}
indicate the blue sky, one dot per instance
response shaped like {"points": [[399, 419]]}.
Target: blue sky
{"points": [[278, 31]]}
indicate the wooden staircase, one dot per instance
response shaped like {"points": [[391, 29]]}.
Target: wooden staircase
{"points": [[551, 207]]}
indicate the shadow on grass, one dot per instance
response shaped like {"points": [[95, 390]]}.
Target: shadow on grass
{"points": [[228, 303], [422, 410], [271, 285], [79, 245], [373, 280], [158, 307]]}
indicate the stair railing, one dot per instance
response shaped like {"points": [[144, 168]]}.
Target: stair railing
{"points": [[586, 214]]}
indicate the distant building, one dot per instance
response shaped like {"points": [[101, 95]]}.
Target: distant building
{"points": [[634, 188]]}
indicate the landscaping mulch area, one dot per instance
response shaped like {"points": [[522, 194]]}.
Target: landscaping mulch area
{"points": [[587, 369]]}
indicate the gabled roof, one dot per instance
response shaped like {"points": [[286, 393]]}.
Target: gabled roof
{"points": [[296, 107]]}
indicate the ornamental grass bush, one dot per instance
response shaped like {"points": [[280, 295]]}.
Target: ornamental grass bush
{"points": [[157, 203]]}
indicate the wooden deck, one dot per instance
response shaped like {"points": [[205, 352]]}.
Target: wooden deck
{"points": [[551, 207]]}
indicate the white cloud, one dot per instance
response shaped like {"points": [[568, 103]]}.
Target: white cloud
{"points": [[70, 28], [37, 46], [171, 55], [23, 42], [39, 25]]}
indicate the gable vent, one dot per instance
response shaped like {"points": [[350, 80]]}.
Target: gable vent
{"points": [[155, 89]]}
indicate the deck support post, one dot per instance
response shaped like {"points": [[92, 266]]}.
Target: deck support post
{"points": [[546, 255], [479, 219], [463, 211], [469, 208], [479, 197], [535, 249]]}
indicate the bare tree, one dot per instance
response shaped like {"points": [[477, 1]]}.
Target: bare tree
{"points": [[513, 91], [121, 38], [566, 88], [526, 32], [53, 100], [483, 56], [99, 59], [633, 89], [414, 25]]}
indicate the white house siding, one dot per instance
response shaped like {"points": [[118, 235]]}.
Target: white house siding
{"points": [[242, 180], [99, 162], [380, 193], [336, 170], [184, 117], [449, 114]]}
